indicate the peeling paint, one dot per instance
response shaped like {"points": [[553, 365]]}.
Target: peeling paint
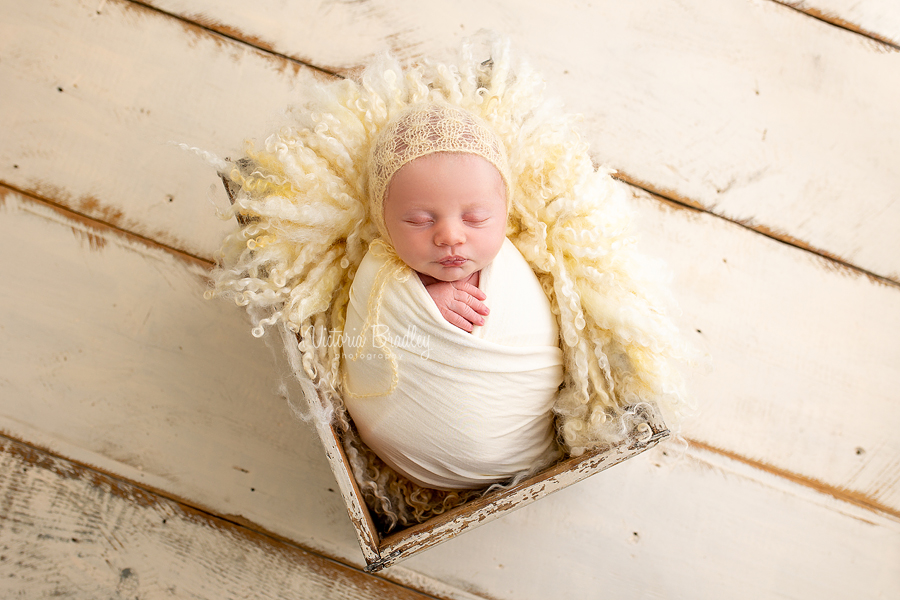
{"points": [[202, 27], [840, 493], [666, 196], [22, 464], [94, 242], [884, 43], [147, 497], [567, 472], [283, 63], [675, 201], [90, 225], [41, 458], [830, 261]]}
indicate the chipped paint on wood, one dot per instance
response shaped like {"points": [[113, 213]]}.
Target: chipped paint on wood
{"points": [[139, 335], [110, 358], [671, 199], [678, 102], [876, 19], [439, 529], [276, 461], [67, 530], [98, 98], [816, 357], [647, 431], [91, 230], [706, 527], [133, 328], [847, 495]]}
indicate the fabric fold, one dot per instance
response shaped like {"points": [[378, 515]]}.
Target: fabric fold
{"points": [[466, 409]]}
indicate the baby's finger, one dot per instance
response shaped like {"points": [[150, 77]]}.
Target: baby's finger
{"points": [[467, 312], [474, 303], [471, 290], [457, 320]]}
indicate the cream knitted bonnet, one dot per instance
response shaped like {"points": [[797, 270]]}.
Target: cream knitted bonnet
{"points": [[426, 129]]}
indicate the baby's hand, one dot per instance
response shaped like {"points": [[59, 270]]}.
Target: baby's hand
{"points": [[460, 303]]}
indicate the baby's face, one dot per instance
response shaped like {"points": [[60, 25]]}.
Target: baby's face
{"points": [[446, 214]]}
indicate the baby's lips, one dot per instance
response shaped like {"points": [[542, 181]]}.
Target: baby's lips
{"points": [[453, 261]]}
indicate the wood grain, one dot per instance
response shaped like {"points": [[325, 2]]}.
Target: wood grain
{"points": [[147, 381], [750, 109], [112, 359], [118, 363], [777, 370], [694, 526], [804, 361], [401, 545], [878, 19], [71, 532], [679, 103], [95, 92]]}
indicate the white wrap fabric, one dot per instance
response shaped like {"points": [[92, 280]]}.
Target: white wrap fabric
{"points": [[469, 409]]}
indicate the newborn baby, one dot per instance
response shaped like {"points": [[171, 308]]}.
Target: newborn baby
{"points": [[451, 351]]}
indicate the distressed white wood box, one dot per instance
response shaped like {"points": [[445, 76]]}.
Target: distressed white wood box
{"points": [[380, 551]]}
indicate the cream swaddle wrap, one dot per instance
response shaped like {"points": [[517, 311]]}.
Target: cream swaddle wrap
{"points": [[468, 409]]}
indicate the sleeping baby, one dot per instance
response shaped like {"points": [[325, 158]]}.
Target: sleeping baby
{"points": [[451, 358], [381, 230]]}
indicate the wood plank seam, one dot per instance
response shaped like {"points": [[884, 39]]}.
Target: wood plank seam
{"points": [[677, 201], [836, 21], [94, 222], [235, 35], [666, 195], [844, 495], [39, 455], [514, 529]]}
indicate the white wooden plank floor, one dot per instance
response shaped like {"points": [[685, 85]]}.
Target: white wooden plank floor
{"points": [[181, 441], [69, 532], [804, 355], [112, 359], [749, 109], [118, 83], [681, 104]]}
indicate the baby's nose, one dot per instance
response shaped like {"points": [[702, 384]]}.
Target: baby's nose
{"points": [[450, 234]]}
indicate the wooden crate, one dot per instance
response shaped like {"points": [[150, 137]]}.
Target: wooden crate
{"points": [[381, 551]]}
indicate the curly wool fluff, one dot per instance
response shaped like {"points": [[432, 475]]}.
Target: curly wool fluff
{"points": [[306, 229]]}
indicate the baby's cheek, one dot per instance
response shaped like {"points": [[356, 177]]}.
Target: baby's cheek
{"points": [[496, 240], [412, 249]]}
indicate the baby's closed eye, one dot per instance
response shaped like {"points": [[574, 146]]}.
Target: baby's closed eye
{"points": [[476, 218], [419, 220]]}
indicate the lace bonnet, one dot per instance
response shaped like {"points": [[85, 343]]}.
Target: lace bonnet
{"points": [[427, 129]]}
